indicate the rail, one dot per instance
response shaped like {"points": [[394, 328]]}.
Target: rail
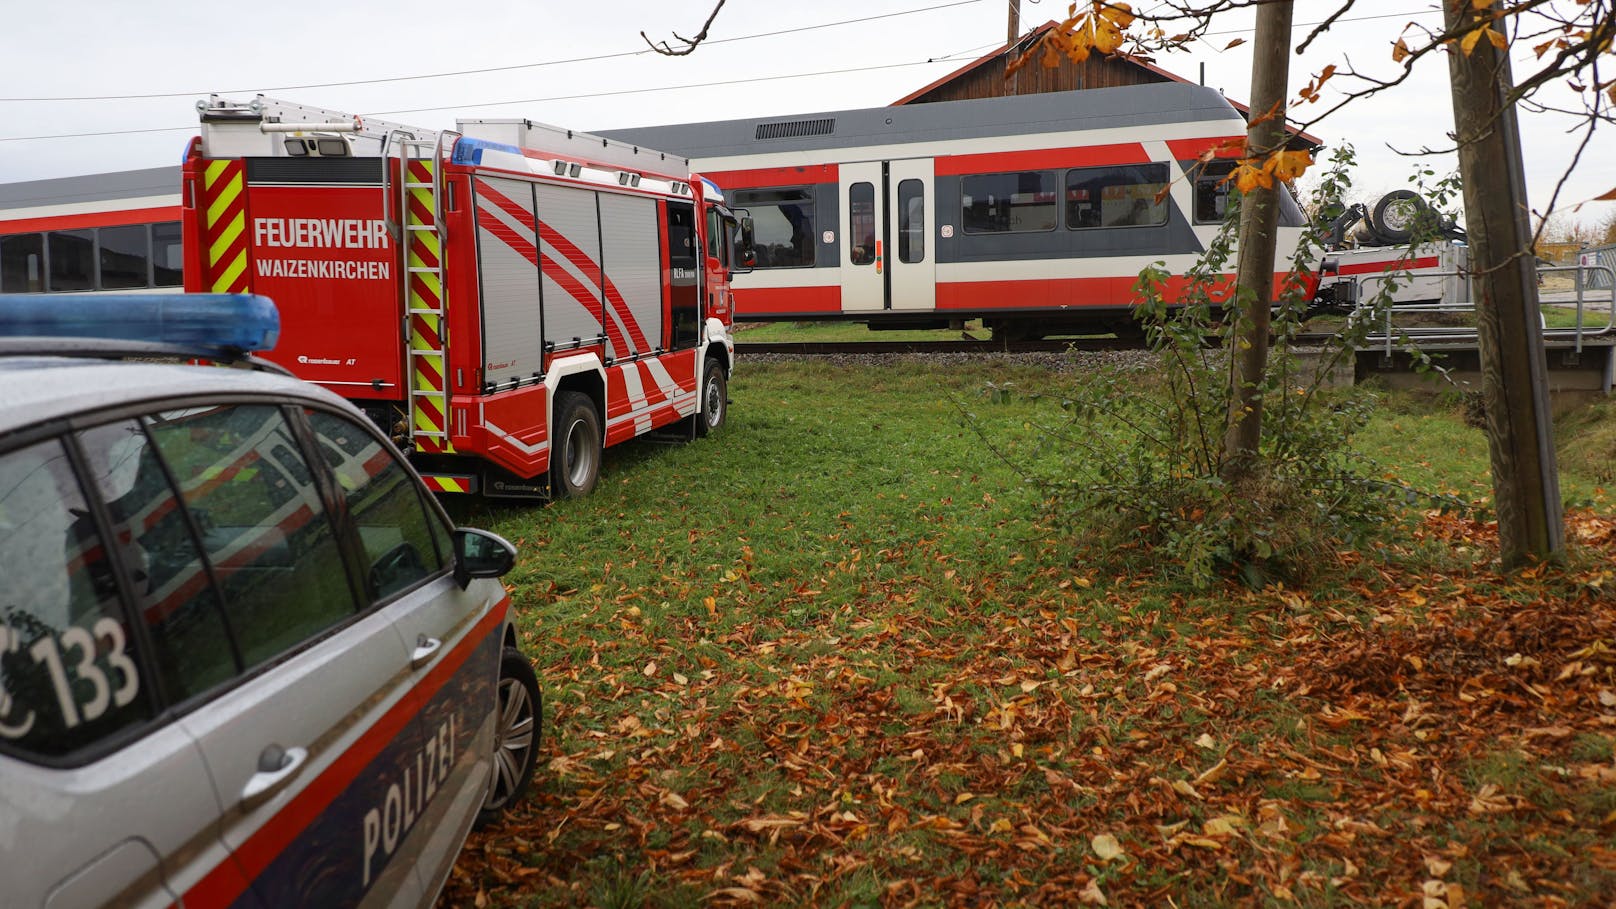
{"points": [[1603, 302]]}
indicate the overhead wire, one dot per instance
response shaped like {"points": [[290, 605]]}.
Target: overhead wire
{"points": [[492, 69]]}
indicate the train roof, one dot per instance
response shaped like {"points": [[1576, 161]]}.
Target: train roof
{"points": [[92, 188], [1099, 108]]}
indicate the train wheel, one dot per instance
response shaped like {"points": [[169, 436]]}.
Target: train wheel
{"points": [[575, 447], [714, 398]]}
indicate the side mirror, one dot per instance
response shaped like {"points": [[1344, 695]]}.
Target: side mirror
{"points": [[480, 554], [745, 244]]}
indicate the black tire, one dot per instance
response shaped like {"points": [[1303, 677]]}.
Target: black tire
{"points": [[575, 446], [714, 399], [518, 721], [1397, 215]]}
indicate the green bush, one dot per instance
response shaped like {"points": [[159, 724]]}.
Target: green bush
{"points": [[1135, 472]]}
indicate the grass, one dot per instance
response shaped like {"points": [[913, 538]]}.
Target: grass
{"points": [[830, 657]]}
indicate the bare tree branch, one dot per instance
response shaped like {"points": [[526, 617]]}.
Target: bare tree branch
{"points": [[689, 43]]}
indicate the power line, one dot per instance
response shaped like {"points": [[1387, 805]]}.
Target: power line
{"points": [[491, 69], [626, 91]]}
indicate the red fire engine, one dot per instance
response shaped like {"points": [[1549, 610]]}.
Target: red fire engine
{"points": [[507, 298]]}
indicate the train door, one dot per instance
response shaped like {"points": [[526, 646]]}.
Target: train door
{"points": [[889, 217]]}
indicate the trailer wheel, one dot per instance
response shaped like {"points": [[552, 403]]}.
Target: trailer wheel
{"points": [[714, 398], [518, 719], [575, 446], [1397, 214]]}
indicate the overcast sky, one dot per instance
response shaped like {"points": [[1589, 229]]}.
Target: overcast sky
{"points": [[584, 66]]}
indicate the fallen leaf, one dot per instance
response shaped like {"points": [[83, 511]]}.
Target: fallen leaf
{"points": [[1106, 847]]}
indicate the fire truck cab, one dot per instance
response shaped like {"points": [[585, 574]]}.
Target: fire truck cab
{"points": [[505, 299]]}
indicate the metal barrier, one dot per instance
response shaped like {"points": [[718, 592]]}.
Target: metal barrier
{"points": [[1587, 278], [1602, 260]]}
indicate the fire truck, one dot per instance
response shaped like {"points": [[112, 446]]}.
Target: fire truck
{"points": [[506, 298]]}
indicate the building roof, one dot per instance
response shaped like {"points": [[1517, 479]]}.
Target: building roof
{"points": [[1000, 57]]}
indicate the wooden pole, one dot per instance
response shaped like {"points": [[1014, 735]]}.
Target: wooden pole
{"points": [[1514, 382]]}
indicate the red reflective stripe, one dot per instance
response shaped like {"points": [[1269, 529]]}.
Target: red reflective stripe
{"points": [[1042, 159], [92, 219], [1387, 265], [225, 882]]}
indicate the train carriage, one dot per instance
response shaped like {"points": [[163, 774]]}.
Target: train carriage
{"points": [[1034, 213]]}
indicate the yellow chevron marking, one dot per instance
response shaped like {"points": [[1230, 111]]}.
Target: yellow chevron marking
{"points": [[232, 191], [227, 278], [225, 237]]}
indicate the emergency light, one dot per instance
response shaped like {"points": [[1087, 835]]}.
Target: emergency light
{"points": [[230, 322]]}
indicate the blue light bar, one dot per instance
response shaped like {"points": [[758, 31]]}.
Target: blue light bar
{"points": [[241, 322]]}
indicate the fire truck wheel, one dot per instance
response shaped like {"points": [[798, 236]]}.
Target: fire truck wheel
{"points": [[574, 446], [1397, 214], [516, 734], [714, 399]]}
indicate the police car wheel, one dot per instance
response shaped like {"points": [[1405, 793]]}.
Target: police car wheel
{"points": [[714, 399], [516, 734]]}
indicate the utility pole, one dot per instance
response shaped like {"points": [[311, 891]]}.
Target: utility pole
{"points": [[1015, 23], [1514, 381]]}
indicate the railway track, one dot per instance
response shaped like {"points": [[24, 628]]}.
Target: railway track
{"points": [[835, 348]]}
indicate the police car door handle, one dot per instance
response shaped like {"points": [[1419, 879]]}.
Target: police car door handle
{"points": [[276, 765], [425, 649]]}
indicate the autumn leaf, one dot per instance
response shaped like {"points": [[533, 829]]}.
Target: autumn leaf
{"points": [[1235, 43], [1106, 847], [1400, 51]]}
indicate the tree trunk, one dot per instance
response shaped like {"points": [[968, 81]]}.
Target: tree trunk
{"points": [[1514, 384], [1259, 219]]}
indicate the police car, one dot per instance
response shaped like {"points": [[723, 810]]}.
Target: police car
{"points": [[245, 659]]}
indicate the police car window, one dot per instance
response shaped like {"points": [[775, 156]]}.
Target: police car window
{"points": [[68, 671], [384, 503], [264, 530], [174, 593]]}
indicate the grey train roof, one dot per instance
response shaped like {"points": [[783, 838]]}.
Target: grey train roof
{"points": [[127, 184], [1100, 108]]}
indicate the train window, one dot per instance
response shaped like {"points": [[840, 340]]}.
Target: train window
{"points": [[1009, 202], [125, 256], [1129, 196], [72, 259], [167, 261], [861, 223], [911, 221], [782, 225], [22, 263], [1212, 189]]}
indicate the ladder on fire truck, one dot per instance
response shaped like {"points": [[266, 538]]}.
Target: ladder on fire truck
{"points": [[425, 305]]}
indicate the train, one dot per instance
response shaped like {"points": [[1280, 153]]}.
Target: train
{"points": [[1034, 214], [106, 232]]}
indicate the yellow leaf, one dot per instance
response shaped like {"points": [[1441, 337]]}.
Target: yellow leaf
{"points": [[963, 797], [1106, 847], [1000, 826], [1498, 39]]}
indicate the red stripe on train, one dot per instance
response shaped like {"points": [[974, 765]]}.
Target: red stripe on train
{"points": [[92, 219], [774, 176], [1042, 159], [753, 302]]}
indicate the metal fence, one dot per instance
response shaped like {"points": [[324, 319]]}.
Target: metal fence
{"points": [[1604, 257]]}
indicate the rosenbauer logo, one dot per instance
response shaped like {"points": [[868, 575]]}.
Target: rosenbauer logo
{"points": [[324, 243]]}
